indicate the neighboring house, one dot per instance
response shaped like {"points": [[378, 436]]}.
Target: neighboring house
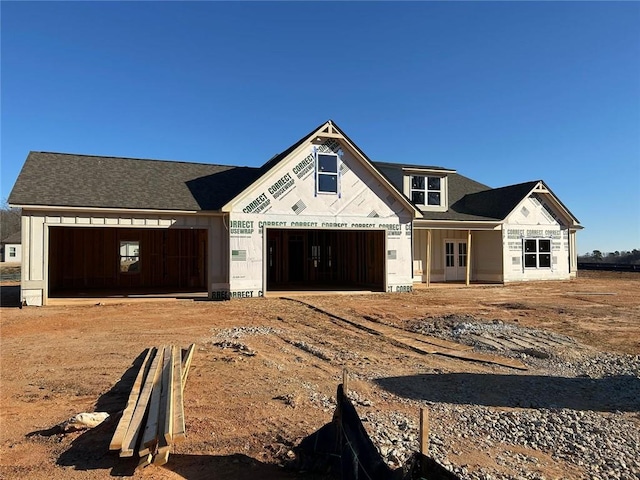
{"points": [[319, 215], [11, 249]]}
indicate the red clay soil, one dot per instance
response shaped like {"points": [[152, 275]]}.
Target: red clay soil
{"points": [[245, 412]]}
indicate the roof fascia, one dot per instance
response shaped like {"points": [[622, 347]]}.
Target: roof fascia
{"points": [[263, 178], [332, 131], [373, 170], [457, 225], [558, 203], [53, 208], [427, 170], [542, 188]]}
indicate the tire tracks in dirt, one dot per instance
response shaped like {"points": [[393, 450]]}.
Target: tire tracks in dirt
{"points": [[420, 344]]}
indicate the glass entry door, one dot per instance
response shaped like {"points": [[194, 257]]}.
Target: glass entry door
{"points": [[455, 260]]}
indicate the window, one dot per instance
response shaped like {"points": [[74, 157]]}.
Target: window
{"points": [[12, 251], [449, 254], [327, 173], [129, 256], [426, 190], [462, 254], [537, 253]]}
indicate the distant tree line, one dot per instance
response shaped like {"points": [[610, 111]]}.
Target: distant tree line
{"points": [[10, 222], [623, 257]]}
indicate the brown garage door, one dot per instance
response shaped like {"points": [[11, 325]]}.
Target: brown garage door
{"points": [[126, 260], [325, 259]]}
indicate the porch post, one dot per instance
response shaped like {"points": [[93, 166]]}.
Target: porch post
{"points": [[428, 257], [468, 257]]}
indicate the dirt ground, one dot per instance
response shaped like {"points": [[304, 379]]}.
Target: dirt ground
{"points": [[245, 412]]}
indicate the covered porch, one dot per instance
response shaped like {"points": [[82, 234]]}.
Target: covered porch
{"points": [[452, 254]]}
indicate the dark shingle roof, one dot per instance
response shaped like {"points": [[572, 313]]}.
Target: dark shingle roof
{"points": [[59, 179], [496, 202], [15, 237]]}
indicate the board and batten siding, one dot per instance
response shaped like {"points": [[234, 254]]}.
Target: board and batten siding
{"points": [[438, 238], [535, 218], [35, 228], [287, 198]]}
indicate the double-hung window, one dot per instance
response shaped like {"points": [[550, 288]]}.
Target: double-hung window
{"points": [[129, 257], [426, 190], [327, 173], [12, 252], [537, 253]]}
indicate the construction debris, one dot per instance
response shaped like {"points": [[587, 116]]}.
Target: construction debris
{"points": [[344, 449], [82, 421], [153, 419]]}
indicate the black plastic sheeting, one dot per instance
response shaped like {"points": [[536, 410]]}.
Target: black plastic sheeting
{"points": [[344, 450]]}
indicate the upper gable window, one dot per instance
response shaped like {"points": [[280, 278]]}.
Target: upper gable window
{"points": [[327, 180], [426, 190]]}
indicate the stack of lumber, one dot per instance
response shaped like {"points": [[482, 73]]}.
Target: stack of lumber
{"points": [[153, 419]]}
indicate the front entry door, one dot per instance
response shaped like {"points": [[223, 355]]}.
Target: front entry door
{"points": [[455, 258]]}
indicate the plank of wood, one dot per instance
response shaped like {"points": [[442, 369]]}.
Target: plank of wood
{"points": [[178, 406], [424, 431], [162, 456], [164, 399], [167, 381], [186, 363], [402, 338], [150, 435], [125, 419], [491, 342], [135, 427], [144, 461], [482, 357]]}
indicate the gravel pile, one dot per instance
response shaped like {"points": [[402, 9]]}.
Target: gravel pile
{"points": [[598, 435], [239, 332]]}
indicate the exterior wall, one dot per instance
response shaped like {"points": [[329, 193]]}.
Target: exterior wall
{"points": [[35, 238], [535, 218], [6, 249], [486, 256], [287, 198], [438, 238]]}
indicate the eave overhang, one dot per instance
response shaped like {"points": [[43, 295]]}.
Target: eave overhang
{"points": [[456, 225], [103, 210]]}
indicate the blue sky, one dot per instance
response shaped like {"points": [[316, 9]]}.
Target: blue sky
{"points": [[503, 92]]}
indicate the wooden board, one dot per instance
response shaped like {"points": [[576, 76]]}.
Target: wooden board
{"points": [[483, 357], [402, 338], [150, 435], [135, 427], [125, 419], [178, 432], [167, 385], [186, 363]]}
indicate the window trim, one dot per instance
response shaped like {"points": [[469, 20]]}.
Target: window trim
{"points": [[408, 190], [537, 254], [327, 174]]}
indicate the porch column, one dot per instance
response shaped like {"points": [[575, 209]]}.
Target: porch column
{"points": [[428, 257], [468, 275]]}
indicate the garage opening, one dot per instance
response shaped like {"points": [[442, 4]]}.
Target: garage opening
{"points": [[325, 260], [126, 261]]}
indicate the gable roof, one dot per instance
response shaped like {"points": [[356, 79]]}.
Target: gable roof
{"points": [[469, 200], [67, 180], [458, 187], [328, 129]]}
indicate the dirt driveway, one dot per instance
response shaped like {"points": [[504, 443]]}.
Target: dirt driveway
{"points": [[248, 404]]}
